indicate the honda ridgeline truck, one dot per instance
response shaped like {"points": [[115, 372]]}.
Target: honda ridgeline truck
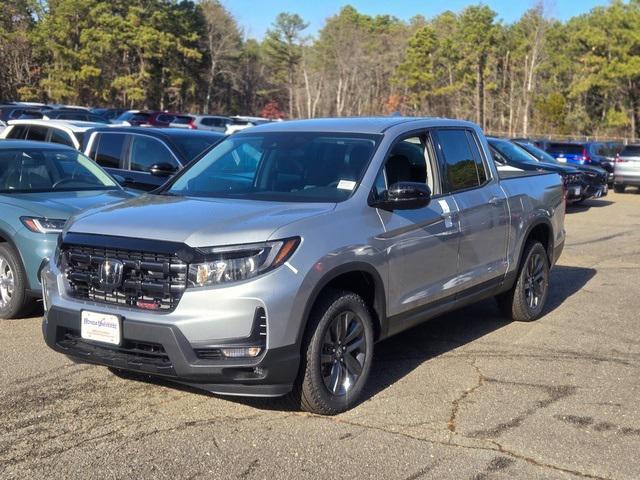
{"points": [[273, 264]]}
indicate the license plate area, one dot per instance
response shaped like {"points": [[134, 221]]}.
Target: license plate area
{"points": [[101, 327]]}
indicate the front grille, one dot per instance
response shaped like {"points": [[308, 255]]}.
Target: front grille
{"points": [[151, 281], [145, 356]]}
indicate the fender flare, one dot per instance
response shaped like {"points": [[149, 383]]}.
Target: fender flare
{"points": [[537, 222], [5, 237], [379, 303]]}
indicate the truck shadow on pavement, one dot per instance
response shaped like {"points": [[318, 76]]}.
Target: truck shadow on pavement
{"points": [[588, 205], [398, 356]]}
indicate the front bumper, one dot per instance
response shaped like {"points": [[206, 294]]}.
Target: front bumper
{"points": [[162, 350]]}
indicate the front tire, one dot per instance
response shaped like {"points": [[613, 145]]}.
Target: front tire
{"points": [[618, 188], [528, 296], [337, 354], [13, 282]]}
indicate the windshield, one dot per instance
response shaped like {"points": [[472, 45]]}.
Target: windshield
{"points": [[294, 167], [193, 145], [135, 116], [511, 152], [41, 170], [538, 153], [565, 148]]}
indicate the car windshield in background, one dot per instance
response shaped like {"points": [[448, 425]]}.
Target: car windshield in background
{"points": [[565, 148], [512, 152], [42, 170], [293, 167], [135, 116], [630, 151], [538, 153], [193, 145]]}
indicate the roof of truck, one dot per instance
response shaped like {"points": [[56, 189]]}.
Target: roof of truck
{"points": [[369, 125]]}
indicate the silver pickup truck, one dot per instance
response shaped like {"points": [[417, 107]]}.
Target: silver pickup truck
{"points": [[272, 265]]}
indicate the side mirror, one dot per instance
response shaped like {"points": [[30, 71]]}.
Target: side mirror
{"points": [[404, 196], [162, 169]]}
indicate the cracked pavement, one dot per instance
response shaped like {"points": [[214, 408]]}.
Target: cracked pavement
{"points": [[465, 396]]}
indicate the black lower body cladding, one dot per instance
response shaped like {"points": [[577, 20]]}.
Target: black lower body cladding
{"points": [[162, 351]]}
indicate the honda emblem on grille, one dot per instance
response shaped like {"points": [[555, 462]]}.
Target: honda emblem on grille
{"points": [[110, 275]]}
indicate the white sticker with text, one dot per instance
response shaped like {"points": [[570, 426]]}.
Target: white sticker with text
{"points": [[346, 184]]}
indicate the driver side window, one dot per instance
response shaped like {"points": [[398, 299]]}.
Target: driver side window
{"points": [[410, 160]]}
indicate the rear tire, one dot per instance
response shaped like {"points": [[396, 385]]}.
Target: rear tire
{"points": [[618, 188], [526, 300], [13, 284], [336, 356]]}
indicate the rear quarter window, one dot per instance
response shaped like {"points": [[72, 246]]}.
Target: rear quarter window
{"points": [[630, 151], [565, 148], [18, 132]]}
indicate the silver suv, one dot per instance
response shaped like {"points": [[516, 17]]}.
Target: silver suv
{"points": [[626, 171], [272, 265]]}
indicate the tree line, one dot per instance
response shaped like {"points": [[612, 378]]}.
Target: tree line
{"points": [[535, 75]]}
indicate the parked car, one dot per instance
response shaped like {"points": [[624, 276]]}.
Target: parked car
{"points": [[505, 152], [41, 186], [627, 168], [239, 123], [596, 178], [274, 262], [183, 121], [146, 157], [15, 111], [108, 113], [582, 154], [213, 123], [69, 114], [64, 132], [138, 118]]}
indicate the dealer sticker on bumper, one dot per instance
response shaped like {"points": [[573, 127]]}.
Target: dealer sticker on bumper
{"points": [[101, 327]]}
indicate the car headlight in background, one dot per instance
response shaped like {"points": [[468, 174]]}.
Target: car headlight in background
{"points": [[43, 225], [236, 263]]}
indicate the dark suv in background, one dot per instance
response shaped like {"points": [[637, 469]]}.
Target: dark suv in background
{"points": [[589, 153], [144, 157]]}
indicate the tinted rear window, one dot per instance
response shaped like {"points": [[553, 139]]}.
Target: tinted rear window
{"points": [[566, 148], [631, 151], [182, 120]]}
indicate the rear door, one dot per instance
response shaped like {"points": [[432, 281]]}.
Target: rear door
{"points": [[481, 205]]}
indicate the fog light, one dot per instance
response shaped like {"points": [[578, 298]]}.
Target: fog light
{"points": [[238, 352]]}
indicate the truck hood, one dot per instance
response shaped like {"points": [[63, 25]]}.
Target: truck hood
{"points": [[65, 204], [197, 222]]}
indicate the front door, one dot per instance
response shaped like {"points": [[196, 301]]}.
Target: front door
{"points": [[421, 244]]}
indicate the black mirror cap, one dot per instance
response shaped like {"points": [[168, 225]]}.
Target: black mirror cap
{"points": [[162, 170], [404, 196]]}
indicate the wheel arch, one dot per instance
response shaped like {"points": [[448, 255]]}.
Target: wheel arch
{"points": [[541, 230], [358, 277]]}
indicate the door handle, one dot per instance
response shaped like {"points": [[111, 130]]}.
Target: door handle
{"points": [[494, 201]]}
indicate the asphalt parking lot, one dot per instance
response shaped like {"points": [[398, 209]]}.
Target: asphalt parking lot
{"points": [[465, 396]]}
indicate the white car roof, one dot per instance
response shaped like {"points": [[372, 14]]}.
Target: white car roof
{"points": [[73, 125]]}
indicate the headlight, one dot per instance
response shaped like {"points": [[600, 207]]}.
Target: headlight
{"points": [[233, 264], [43, 225]]}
